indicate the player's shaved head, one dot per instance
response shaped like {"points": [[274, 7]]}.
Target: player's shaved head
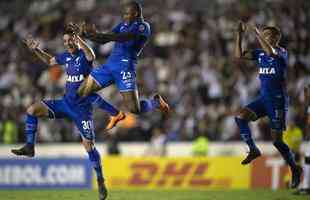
{"points": [[135, 6]]}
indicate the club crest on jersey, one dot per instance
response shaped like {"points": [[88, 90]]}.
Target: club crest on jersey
{"points": [[141, 27], [267, 70], [75, 79]]}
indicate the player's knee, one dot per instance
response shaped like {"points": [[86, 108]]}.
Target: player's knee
{"points": [[246, 114], [240, 121], [276, 135], [297, 157], [82, 91], [33, 109], [88, 145], [132, 106], [134, 109], [240, 116]]}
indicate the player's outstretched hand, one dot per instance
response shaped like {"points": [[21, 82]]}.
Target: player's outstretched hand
{"points": [[31, 43], [88, 29], [253, 28], [74, 28], [241, 27]]}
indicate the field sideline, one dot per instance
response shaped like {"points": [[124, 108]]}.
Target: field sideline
{"points": [[151, 195]]}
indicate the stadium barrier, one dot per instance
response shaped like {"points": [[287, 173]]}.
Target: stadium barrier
{"points": [[67, 166], [175, 173], [174, 149], [45, 173]]}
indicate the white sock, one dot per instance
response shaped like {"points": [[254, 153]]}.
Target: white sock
{"points": [[306, 168], [306, 181]]}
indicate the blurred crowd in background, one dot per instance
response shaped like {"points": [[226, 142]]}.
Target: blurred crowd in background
{"points": [[189, 60]]}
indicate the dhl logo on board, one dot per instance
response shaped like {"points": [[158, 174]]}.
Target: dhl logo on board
{"points": [[175, 173]]}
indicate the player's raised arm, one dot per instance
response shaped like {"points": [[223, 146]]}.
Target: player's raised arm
{"points": [[77, 31], [265, 44], [33, 46], [89, 53], [90, 32], [239, 53]]}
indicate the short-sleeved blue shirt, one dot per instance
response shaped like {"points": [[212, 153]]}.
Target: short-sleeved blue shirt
{"points": [[130, 50], [77, 68], [272, 71]]}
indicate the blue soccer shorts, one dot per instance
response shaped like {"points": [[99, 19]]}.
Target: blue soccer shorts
{"points": [[121, 73], [275, 107], [81, 116]]}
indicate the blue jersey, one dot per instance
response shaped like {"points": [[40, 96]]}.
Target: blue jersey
{"points": [[77, 67], [272, 71], [130, 50]]}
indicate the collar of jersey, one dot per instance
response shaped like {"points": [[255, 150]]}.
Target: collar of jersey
{"points": [[74, 55], [134, 21]]}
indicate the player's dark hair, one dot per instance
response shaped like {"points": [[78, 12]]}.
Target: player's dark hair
{"points": [[68, 30], [274, 30], [136, 6]]}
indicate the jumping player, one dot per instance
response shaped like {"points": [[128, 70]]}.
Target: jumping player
{"points": [[129, 36], [272, 61], [305, 189], [77, 60]]}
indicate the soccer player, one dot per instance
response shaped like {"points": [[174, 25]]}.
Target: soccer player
{"points": [[272, 61], [129, 36], [77, 60], [305, 190]]}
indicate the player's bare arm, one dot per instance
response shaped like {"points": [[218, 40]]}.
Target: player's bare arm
{"points": [[266, 46], [33, 46], [90, 32], [89, 53], [239, 53]]}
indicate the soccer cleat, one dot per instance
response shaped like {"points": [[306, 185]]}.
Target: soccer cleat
{"points": [[103, 192], [296, 177], [26, 150], [115, 119], [252, 155], [163, 106], [302, 191]]}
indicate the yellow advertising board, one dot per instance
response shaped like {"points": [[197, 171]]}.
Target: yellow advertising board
{"points": [[175, 173]]}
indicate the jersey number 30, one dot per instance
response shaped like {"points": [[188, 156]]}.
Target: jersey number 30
{"points": [[87, 125]]}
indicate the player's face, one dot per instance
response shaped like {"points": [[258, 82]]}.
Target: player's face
{"points": [[129, 14], [70, 43], [270, 37]]}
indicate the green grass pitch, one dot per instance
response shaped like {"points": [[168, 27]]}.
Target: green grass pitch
{"points": [[151, 195]]}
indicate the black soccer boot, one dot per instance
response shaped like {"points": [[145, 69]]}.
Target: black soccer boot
{"points": [[252, 155], [26, 150], [302, 191], [296, 177], [103, 192]]}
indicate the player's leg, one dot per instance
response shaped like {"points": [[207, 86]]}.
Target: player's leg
{"points": [[95, 159], [288, 156], [88, 86], [136, 106], [100, 77], [86, 128], [126, 82], [116, 115], [251, 112], [35, 111], [306, 168], [276, 110]]}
